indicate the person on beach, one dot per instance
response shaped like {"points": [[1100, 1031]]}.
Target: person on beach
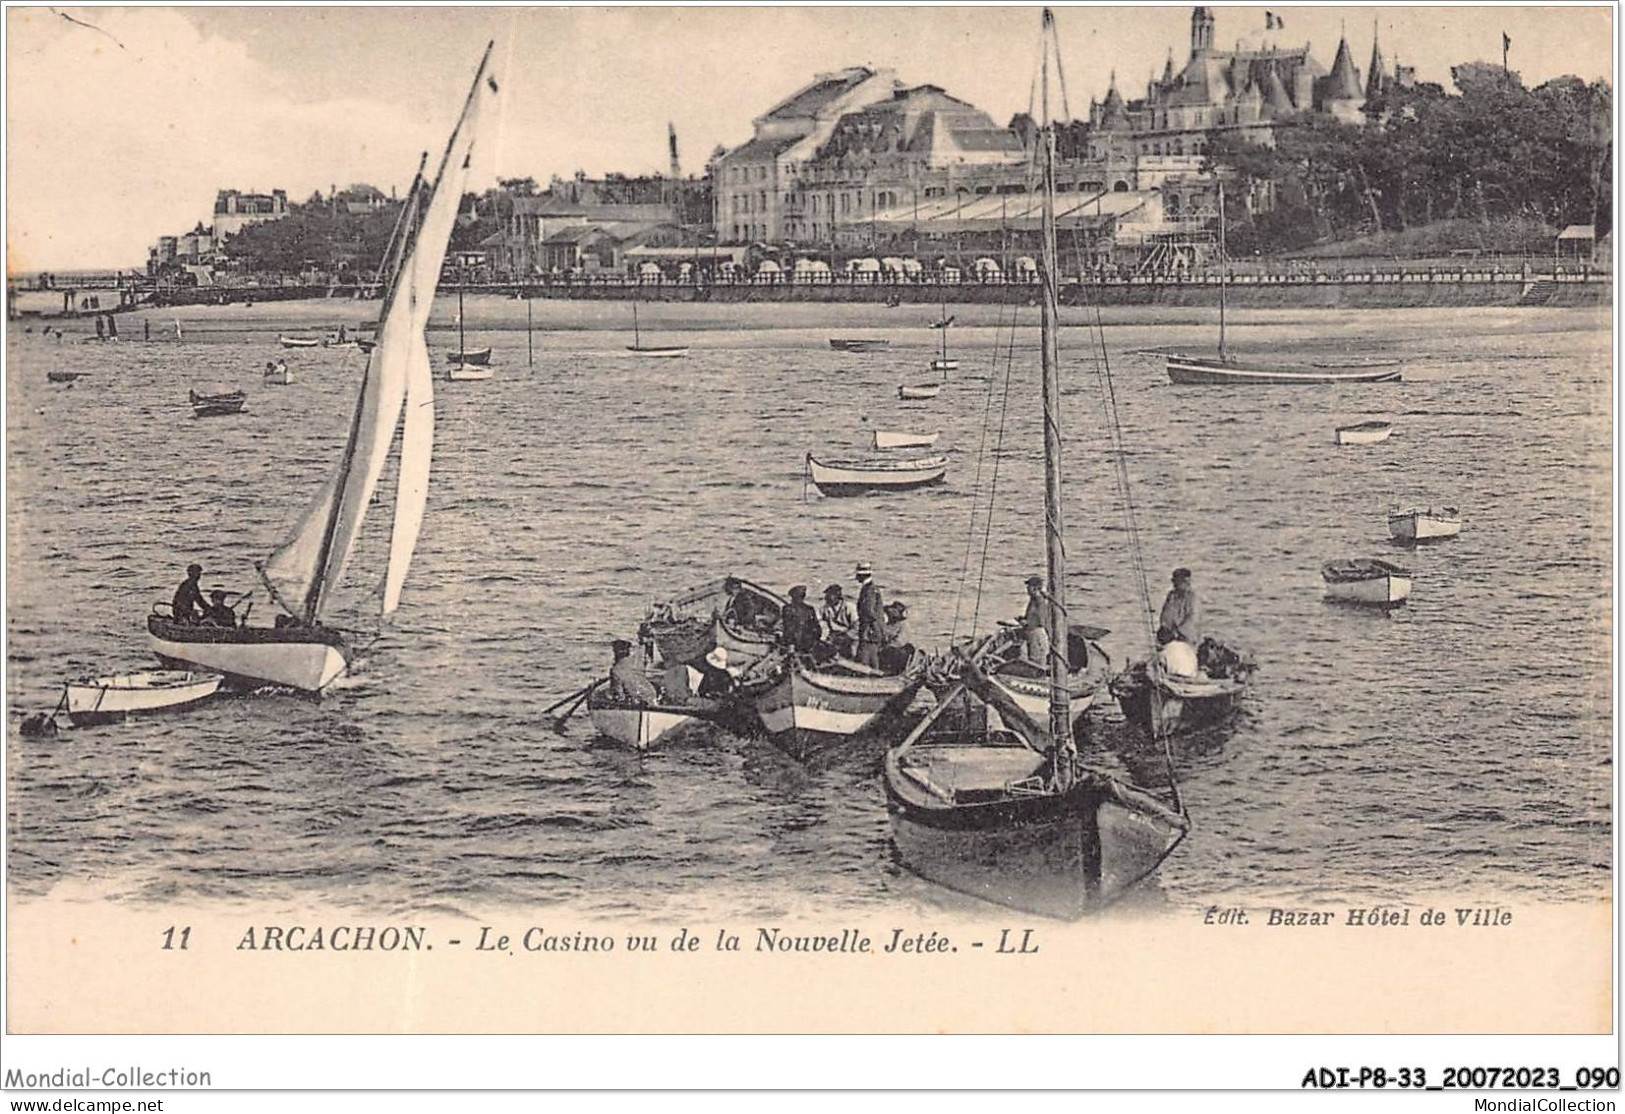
{"points": [[187, 605]]}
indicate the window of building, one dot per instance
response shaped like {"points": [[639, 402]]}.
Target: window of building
{"points": [[761, 201]]}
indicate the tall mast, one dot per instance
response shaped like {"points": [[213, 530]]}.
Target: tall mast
{"points": [[1062, 747], [1224, 269]]}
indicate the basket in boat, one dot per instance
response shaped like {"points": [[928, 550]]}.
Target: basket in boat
{"points": [[681, 639]]}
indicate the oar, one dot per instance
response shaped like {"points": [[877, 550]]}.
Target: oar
{"points": [[560, 719], [576, 695]]}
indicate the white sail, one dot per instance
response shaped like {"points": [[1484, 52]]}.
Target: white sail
{"points": [[302, 571], [417, 430]]}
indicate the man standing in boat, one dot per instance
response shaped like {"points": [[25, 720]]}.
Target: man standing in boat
{"points": [[1032, 622], [800, 630], [187, 605], [840, 624], [871, 616], [1178, 621]]}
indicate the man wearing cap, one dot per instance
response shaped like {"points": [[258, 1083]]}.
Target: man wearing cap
{"points": [[188, 605], [1033, 622], [627, 684], [840, 624], [895, 651], [871, 616], [800, 630], [1177, 623]]}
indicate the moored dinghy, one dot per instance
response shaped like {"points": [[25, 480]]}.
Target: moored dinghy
{"points": [[91, 700], [1364, 433], [919, 391], [468, 356], [468, 373], [858, 344], [854, 477], [217, 404], [1423, 525], [1369, 581], [300, 342], [895, 439]]}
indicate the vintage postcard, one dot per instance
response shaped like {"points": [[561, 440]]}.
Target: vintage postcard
{"points": [[812, 520]]}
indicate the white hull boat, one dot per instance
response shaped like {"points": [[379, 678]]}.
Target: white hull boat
{"points": [[308, 664], [1424, 525], [279, 378], [853, 477], [1211, 371], [804, 709], [1365, 433], [919, 391], [1366, 581], [658, 352], [468, 373], [948, 364], [299, 342], [642, 728], [109, 699], [891, 439]]}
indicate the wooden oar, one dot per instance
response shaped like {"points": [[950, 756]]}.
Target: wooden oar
{"points": [[560, 719], [578, 693]]}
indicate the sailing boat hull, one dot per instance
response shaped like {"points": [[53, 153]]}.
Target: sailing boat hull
{"points": [[1054, 855], [481, 356], [307, 659], [658, 352]]}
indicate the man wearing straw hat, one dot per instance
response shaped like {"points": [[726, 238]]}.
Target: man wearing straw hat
{"points": [[871, 616]]}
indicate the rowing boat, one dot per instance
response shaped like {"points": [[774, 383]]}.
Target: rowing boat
{"points": [[92, 700], [853, 477]]}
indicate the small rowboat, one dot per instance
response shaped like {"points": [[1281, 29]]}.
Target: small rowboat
{"points": [[277, 376], [858, 344], [1366, 580], [217, 405], [464, 373], [1364, 433], [341, 344], [1210, 371], [1428, 525], [642, 727], [919, 390], [299, 342], [64, 376], [658, 351], [949, 364], [853, 477], [109, 699], [890, 439], [480, 356]]}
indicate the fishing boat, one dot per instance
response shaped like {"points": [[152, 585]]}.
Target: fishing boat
{"points": [[217, 404], [653, 351], [1413, 525], [1167, 695], [92, 700], [895, 439], [303, 650], [806, 709], [1224, 369], [64, 376], [1027, 683], [1369, 581], [300, 342], [984, 798], [1364, 433], [917, 391], [854, 477], [644, 726], [858, 344], [688, 627]]}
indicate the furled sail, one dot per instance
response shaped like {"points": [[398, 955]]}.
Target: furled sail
{"points": [[311, 559], [417, 429]]}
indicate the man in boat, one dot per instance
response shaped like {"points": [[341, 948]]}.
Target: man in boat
{"points": [[742, 610], [895, 650], [219, 613], [1177, 622], [871, 616], [801, 630], [1032, 622], [840, 624], [187, 605], [715, 680], [627, 684]]}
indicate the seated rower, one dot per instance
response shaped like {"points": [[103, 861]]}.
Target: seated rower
{"points": [[218, 613], [627, 684]]}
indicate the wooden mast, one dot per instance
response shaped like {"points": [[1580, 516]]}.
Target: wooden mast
{"points": [[1224, 271], [1062, 748]]}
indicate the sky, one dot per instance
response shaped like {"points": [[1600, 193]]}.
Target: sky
{"points": [[123, 130]]}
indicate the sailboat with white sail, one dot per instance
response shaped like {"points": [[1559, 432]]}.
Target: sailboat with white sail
{"points": [[983, 798], [303, 649]]}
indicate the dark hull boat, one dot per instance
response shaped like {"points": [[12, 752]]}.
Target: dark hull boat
{"points": [[480, 356], [858, 344], [217, 405], [1160, 704], [1214, 370]]}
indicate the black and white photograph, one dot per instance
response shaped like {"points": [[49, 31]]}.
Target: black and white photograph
{"points": [[812, 520]]}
